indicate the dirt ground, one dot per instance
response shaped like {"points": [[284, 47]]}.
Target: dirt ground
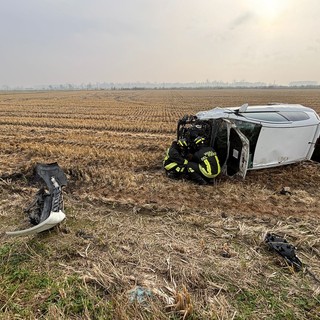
{"points": [[194, 251]]}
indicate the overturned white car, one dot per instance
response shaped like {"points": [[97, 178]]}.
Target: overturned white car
{"points": [[256, 137]]}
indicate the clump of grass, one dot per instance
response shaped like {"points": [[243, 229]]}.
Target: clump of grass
{"points": [[32, 290]]}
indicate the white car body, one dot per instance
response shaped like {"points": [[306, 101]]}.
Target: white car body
{"points": [[270, 135]]}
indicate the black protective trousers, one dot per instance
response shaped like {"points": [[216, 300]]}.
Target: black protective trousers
{"points": [[195, 174]]}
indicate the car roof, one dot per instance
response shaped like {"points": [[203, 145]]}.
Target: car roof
{"points": [[276, 107], [242, 111]]}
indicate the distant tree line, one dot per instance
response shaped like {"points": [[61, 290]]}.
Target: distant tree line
{"points": [[164, 85]]}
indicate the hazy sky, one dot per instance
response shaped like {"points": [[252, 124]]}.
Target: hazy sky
{"points": [[82, 41]]}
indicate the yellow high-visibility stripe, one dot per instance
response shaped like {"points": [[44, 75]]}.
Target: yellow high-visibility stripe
{"points": [[207, 171], [204, 172], [170, 165], [208, 167], [174, 165], [179, 169]]}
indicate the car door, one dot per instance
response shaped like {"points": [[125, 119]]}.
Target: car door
{"points": [[238, 152]]}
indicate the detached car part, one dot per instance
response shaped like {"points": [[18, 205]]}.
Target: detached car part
{"points": [[46, 210], [282, 247]]}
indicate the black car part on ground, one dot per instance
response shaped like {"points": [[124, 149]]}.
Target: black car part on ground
{"points": [[46, 210], [283, 248], [49, 200]]}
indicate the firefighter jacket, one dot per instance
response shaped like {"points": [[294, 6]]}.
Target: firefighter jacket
{"points": [[174, 160], [208, 161]]}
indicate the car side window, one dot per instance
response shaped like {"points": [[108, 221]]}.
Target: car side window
{"points": [[295, 116], [265, 116]]}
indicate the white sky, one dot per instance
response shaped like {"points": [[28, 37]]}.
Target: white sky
{"points": [[81, 41]]}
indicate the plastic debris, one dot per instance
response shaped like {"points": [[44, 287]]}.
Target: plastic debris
{"points": [[139, 294], [283, 248], [46, 210]]}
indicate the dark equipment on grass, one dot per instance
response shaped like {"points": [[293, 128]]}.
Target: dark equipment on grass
{"points": [[283, 248]]}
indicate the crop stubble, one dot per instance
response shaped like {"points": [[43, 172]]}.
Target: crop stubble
{"points": [[111, 145]]}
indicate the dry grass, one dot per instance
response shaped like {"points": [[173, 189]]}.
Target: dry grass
{"points": [[194, 252]]}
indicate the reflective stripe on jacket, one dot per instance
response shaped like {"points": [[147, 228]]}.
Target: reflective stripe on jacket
{"points": [[207, 169], [208, 162], [174, 160]]}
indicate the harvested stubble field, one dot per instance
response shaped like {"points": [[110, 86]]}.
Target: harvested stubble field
{"points": [[182, 250]]}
